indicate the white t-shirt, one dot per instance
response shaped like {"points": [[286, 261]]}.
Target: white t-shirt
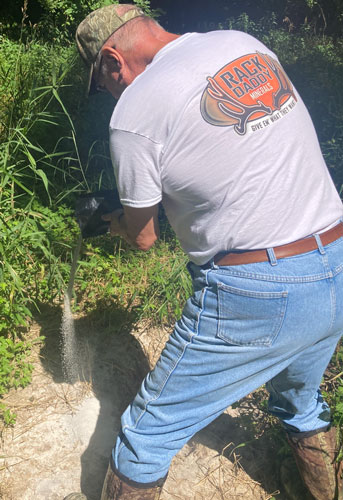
{"points": [[214, 130]]}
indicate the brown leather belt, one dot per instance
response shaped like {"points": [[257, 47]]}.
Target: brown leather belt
{"points": [[295, 248]]}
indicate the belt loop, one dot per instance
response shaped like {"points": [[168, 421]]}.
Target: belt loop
{"points": [[271, 256], [319, 243], [212, 264]]}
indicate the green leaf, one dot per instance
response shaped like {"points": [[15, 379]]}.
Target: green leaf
{"points": [[44, 178]]}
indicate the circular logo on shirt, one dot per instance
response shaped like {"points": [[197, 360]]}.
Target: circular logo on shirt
{"points": [[247, 90]]}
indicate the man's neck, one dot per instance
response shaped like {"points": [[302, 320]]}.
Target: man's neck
{"points": [[154, 44]]}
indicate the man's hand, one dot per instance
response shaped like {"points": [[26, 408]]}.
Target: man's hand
{"points": [[138, 226], [114, 219]]}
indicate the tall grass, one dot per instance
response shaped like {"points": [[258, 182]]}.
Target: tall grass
{"points": [[27, 168], [33, 240]]}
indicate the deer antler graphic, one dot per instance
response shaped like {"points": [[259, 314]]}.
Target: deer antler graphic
{"points": [[285, 85], [243, 112]]}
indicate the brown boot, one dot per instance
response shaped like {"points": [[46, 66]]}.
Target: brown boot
{"points": [[315, 455], [116, 489]]}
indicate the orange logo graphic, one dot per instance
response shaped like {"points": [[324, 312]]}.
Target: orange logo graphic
{"points": [[246, 90]]}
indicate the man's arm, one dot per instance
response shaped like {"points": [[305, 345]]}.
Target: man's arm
{"points": [[138, 226]]}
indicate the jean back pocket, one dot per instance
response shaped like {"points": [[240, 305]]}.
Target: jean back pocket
{"points": [[250, 318]]}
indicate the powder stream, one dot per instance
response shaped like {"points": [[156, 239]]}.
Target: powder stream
{"points": [[70, 351]]}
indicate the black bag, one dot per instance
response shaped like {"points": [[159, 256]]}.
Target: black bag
{"points": [[90, 207]]}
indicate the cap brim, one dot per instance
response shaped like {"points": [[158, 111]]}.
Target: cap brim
{"points": [[94, 76], [92, 87]]}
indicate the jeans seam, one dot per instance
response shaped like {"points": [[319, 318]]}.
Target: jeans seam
{"points": [[280, 279], [251, 293], [333, 304], [162, 385], [177, 361], [170, 372], [143, 412], [330, 274], [205, 289], [338, 270]]}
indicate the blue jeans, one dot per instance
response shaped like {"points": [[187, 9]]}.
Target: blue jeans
{"points": [[275, 322]]}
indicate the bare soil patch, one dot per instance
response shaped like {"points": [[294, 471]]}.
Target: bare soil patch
{"points": [[64, 433]]}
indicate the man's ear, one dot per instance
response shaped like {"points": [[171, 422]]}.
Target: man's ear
{"points": [[112, 56]]}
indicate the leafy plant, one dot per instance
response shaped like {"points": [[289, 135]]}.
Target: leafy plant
{"points": [[60, 18], [8, 417], [14, 370], [150, 286], [333, 390]]}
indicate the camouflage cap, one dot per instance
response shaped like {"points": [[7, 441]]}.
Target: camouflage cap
{"points": [[95, 29]]}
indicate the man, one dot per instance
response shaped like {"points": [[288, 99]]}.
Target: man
{"points": [[210, 125]]}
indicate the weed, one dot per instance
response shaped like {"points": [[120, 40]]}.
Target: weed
{"points": [[333, 390], [15, 371], [8, 417], [111, 276]]}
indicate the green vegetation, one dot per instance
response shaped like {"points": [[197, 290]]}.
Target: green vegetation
{"points": [[15, 371], [333, 391], [50, 152]]}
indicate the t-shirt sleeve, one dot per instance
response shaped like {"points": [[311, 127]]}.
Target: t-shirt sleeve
{"points": [[136, 163]]}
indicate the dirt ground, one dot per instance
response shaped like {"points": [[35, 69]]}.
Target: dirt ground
{"points": [[64, 432]]}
